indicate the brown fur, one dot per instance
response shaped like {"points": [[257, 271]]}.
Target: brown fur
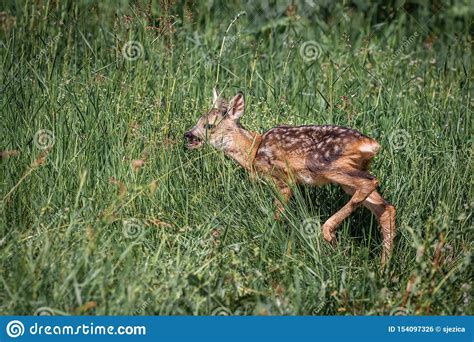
{"points": [[313, 155]]}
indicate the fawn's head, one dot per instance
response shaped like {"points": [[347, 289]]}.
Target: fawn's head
{"points": [[215, 126]]}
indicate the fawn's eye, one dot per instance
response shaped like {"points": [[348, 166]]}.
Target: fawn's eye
{"points": [[209, 126]]}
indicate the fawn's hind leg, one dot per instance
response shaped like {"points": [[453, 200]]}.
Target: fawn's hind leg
{"points": [[362, 183], [385, 214]]}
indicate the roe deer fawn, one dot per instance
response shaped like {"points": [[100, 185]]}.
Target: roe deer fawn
{"points": [[310, 154]]}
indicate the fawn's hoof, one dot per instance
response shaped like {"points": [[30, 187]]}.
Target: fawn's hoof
{"points": [[329, 234], [384, 260]]}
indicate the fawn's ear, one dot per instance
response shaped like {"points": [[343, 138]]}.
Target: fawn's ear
{"points": [[216, 98], [237, 106]]}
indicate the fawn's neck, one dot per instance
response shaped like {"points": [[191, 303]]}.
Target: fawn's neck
{"points": [[242, 146]]}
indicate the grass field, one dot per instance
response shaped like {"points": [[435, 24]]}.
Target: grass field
{"points": [[103, 210]]}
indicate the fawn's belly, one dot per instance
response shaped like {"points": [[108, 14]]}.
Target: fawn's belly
{"points": [[310, 178], [293, 168]]}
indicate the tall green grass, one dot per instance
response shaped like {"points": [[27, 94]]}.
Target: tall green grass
{"points": [[105, 212]]}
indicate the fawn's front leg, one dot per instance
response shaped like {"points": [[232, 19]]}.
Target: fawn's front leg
{"points": [[286, 194]]}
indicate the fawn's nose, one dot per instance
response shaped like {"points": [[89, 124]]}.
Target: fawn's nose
{"points": [[188, 135]]}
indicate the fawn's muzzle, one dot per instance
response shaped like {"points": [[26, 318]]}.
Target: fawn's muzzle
{"points": [[192, 141]]}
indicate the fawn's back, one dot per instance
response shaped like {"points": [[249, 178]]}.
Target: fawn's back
{"points": [[308, 153]]}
